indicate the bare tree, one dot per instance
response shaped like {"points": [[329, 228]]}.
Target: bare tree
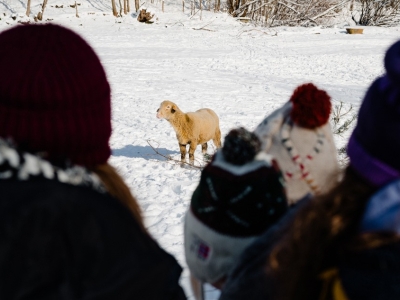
{"points": [[352, 5], [377, 13], [233, 6], [120, 8], [28, 8], [217, 5], [137, 5], [285, 12], [128, 5], [114, 8], [125, 7], [76, 9], [40, 14], [201, 9]]}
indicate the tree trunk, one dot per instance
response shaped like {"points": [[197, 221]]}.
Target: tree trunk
{"points": [[44, 5], [28, 8], [40, 14], [137, 4], [76, 8], [217, 5], [125, 7], [120, 8], [114, 8], [128, 5]]}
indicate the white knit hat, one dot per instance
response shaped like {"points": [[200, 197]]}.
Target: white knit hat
{"points": [[299, 136]]}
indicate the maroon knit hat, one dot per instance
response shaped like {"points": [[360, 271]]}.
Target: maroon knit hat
{"points": [[54, 95]]}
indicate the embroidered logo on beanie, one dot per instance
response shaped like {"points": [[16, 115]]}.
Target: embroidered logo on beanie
{"points": [[200, 248]]}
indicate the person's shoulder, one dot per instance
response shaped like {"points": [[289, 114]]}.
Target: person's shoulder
{"points": [[94, 225], [42, 190], [52, 199], [249, 280]]}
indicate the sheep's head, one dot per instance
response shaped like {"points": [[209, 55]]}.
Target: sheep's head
{"points": [[167, 110]]}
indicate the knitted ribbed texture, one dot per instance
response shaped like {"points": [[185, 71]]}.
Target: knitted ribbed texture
{"points": [[241, 200], [307, 157], [54, 95]]}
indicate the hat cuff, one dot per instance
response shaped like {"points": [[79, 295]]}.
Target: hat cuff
{"points": [[80, 135], [210, 255], [369, 167], [261, 160]]}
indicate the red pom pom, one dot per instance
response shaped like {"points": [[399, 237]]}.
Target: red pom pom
{"points": [[311, 106]]}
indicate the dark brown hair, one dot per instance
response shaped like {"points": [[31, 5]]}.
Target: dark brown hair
{"points": [[321, 232]]}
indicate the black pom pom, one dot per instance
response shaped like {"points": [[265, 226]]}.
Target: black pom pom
{"points": [[240, 146]]}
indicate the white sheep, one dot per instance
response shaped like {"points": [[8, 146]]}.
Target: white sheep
{"points": [[192, 128]]}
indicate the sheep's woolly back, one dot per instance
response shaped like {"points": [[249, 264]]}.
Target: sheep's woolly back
{"points": [[197, 127]]}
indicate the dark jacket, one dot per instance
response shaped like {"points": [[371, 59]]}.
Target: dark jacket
{"points": [[64, 241], [248, 279], [369, 275]]}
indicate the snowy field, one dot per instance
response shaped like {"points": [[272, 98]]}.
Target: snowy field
{"points": [[241, 72]]}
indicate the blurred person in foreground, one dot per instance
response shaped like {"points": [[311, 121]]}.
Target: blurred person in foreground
{"points": [[344, 245], [69, 226], [299, 136], [240, 195]]}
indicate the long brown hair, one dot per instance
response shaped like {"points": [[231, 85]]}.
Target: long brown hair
{"points": [[321, 232], [117, 188]]}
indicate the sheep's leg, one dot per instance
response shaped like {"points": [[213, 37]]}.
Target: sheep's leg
{"points": [[182, 148], [191, 152], [217, 139], [204, 148]]}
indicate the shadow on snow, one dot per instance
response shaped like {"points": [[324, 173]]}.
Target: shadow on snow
{"points": [[145, 152]]}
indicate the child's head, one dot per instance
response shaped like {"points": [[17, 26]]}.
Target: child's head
{"points": [[299, 136], [239, 196], [374, 146], [54, 95], [360, 214]]}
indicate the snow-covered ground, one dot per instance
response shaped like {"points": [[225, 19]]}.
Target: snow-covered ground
{"points": [[241, 72]]}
